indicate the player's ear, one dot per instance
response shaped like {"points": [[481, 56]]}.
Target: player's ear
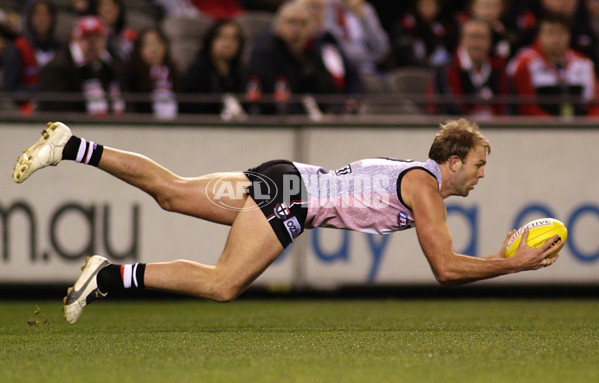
{"points": [[454, 163]]}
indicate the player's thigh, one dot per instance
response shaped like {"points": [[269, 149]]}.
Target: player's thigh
{"points": [[251, 247], [216, 197]]}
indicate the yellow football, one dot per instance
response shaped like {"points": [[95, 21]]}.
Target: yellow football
{"points": [[539, 232]]}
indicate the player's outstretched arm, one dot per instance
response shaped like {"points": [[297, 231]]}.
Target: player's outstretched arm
{"points": [[422, 194]]}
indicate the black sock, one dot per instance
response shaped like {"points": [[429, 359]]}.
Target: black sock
{"points": [[81, 150], [118, 277]]}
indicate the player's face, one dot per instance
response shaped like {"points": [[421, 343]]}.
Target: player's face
{"points": [[470, 171]]}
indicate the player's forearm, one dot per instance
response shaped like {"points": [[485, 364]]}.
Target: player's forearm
{"points": [[465, 269], [494, 256]]}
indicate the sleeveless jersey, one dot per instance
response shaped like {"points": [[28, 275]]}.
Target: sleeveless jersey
{"points": [[363, 195]]}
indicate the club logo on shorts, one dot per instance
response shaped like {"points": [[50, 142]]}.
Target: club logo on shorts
{"points": [[293, 227], [281, 210], [403, 221]]}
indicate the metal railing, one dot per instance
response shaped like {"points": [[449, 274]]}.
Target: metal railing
{"points": [[383, 107]]}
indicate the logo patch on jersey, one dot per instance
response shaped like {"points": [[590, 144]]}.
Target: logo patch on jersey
{"points": [[293, 227], [403, 221], [281, 210]]}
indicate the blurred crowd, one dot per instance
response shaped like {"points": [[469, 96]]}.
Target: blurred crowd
{"points": [[239, 57]]}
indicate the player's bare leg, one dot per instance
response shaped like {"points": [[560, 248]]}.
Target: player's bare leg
{"points": [[185, 195], [174, 193], [250, 248]]}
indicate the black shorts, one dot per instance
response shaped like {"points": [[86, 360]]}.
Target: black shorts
{"points": [[279, 191]]}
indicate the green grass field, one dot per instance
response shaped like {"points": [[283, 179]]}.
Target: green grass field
{"points": [[438, 340]]}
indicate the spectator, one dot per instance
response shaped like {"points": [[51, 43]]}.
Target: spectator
{"points": [[84, 67], [494, 13], [218, 68], [356, 26], [582, 37], [549, 67], [40, 25], [585, 36], [473, 74], [120, 37], [592, 9], [343, 72], [151, 71], [31, 51], [420, 37], [284, 62], [520, 21], [6, 38], [10, 20]]}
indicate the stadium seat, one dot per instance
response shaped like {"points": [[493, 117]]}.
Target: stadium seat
{"points": [[373, 83], [140, 21], [387, 107], [254, 23], [142, 6], [183, 52], [410, 80], [63, 4], [179, 28], [185, 34], [65, 23], [11, 5], [411, 85]]}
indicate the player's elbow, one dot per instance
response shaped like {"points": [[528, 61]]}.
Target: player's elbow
{"points": [[446, 281], [444, 276], [443, 280]]}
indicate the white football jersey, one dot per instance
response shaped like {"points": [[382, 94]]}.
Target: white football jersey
{"points": [[362, 196]]}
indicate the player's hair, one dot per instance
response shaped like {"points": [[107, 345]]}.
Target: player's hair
{"points": [[457, 137]]}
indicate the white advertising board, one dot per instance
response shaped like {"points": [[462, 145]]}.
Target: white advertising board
{"points": [[60, 215]]}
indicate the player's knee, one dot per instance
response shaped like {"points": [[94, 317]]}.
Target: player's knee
{"points": [[164, 201], [166, 195], [226, 293]]}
